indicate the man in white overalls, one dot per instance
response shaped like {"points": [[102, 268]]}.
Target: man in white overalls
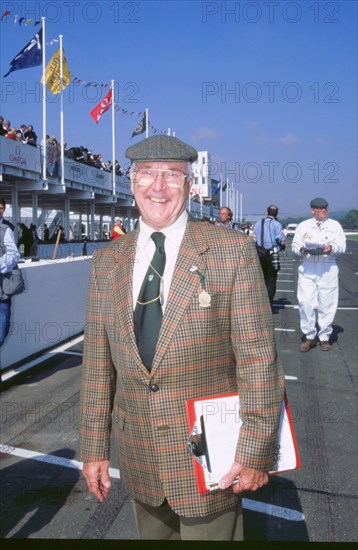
{"points": [[318, 241]]}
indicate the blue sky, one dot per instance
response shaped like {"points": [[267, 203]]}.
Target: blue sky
{"points": [[268, 88]]}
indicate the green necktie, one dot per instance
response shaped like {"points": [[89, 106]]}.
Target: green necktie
{"points": [[148, 313]]}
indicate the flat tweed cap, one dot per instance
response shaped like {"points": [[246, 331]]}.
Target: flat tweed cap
{"points": [[318, 202], [161, 148]]}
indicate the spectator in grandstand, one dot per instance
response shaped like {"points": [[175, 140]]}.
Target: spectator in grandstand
{"points": [[2, 129], [108, 166], [30, 136], [12, 134], [118, 168], [98, 162], [6, 126], [22, 130]]}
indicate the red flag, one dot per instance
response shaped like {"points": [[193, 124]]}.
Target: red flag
{"points": [[102, 107]]}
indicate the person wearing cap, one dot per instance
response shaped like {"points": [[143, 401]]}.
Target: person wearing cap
{"points": [[318, 241], [163, 325]]}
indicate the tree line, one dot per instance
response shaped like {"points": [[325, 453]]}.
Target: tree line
{"points": [[348, 220]]}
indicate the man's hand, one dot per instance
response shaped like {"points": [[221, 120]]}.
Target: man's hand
{"points": [[97, 478], [248, 479], [327, 249]]}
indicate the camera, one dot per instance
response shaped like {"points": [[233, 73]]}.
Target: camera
{"points": [[275, 259]]}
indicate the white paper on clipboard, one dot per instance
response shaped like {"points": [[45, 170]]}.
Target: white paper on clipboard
{"points": [[218, 419]]}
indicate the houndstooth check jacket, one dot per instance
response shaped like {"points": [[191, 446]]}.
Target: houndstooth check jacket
{"points": [[223, 348]]}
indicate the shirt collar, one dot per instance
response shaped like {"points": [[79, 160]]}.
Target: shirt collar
{"points": [[321, 222], [145, 230]]}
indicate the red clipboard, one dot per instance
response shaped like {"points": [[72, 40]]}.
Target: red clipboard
{"points": [[214, 425]]}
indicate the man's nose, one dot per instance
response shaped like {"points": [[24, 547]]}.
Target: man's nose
{"points": [[159, 181]]}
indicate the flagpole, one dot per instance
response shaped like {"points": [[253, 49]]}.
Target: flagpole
{"points": [[113, 145], [236, 205], [233, 199], [61, 117], [146, 124], [221, 190], [44, 145]]}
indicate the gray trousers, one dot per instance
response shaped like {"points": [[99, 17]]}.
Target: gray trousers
{"points": [[162, 523]]}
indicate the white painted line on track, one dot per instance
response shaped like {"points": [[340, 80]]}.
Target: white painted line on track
{"points": [[285, 329], [284, 280], [286, 306], [272, 510], [262, 507], [283, 290], [11, 373], [71, 353], [60, 349], [287, 377], [49, 459], [64, 347]]}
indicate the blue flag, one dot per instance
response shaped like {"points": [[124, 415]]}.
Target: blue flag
{"points": [[140, 128], [30, 55], [217, 187]]}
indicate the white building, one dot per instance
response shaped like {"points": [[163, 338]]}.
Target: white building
{"points": [[202, 176]]}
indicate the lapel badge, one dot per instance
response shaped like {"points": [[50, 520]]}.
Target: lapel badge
{"points": [[204, 297]]}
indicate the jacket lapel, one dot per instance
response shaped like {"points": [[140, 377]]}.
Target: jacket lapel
{"points": [[121, 279], [185, 284]]}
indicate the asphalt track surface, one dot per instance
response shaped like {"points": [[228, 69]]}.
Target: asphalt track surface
{"points": [[43, 495]]}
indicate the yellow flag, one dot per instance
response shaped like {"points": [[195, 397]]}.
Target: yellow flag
{"points": [[52, 74]]}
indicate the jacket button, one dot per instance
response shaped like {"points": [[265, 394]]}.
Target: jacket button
{"points": [[153, 387]]}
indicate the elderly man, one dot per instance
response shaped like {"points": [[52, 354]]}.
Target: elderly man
{"points": [[9, 256], [225, 216], [164, 324], [318, 241]]}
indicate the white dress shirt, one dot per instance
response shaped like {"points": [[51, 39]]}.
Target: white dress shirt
{"points": [[145, 250], [11, 256]]}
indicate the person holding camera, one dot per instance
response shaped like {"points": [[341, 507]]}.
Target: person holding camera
{"points": [[270, 239]]}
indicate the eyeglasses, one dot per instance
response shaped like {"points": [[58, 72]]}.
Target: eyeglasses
{"points": [[175, 179]]}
